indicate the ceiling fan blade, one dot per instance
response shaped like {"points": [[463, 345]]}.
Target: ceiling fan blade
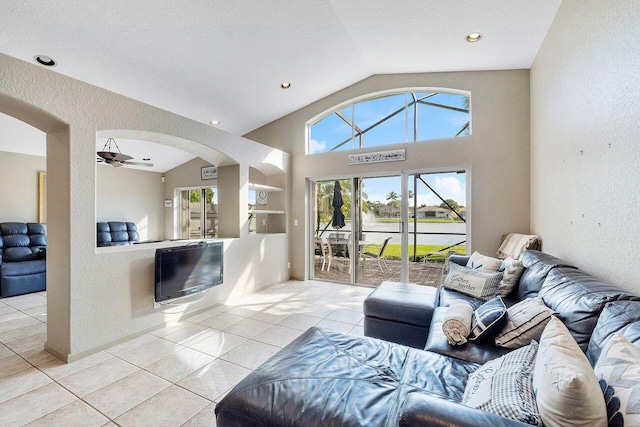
{"points": [[118, 157], [126, 163]]}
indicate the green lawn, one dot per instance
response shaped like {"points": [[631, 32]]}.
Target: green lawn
{"points": [[435, 220], [392, 251]]}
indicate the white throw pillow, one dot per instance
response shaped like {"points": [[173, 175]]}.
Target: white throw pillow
{"points": [[526, 321], [566, 388], [475, 283], [511, 274], [618, 369], [477, 261]]}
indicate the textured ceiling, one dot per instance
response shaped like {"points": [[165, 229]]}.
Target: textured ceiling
{"points": [[225, 60]]}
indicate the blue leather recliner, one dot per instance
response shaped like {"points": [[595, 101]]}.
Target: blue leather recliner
{"points": [[117, 233], [23, 265]]}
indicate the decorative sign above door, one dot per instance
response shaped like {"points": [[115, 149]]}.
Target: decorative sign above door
{"points": [[377, 157]]}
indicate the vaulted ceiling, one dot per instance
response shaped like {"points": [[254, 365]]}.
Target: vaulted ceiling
{"points": [[225, 60]]}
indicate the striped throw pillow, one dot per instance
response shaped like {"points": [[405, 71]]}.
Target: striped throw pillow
{"points": [[488, 320]]}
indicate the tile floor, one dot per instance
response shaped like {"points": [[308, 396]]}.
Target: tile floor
{"points": [[170, 377]]}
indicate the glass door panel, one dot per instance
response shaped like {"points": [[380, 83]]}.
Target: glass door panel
{"points": [[332, 253], [379, 240], [211, 212], [195, 205], [437, 223]]}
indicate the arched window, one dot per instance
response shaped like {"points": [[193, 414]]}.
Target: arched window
{"points": [[391, 118]]}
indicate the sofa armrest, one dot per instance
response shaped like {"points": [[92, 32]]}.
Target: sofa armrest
{"points": [[428, 410]]}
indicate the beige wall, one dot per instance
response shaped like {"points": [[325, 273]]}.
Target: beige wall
{"points": [[97, 296], [124, 194], [496, 154], [585, 98], [19, 186]]}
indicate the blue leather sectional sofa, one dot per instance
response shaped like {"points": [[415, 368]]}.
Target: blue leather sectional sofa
{"points": [[23, 265], [329, 378]]}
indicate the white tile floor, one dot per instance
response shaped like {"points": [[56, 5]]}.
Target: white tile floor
{"points": [[171, 377]]}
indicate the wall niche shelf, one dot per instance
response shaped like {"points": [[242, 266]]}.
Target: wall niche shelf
{"points": [[262, 187], [267, 201]]}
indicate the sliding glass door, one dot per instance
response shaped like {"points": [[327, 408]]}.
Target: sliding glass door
{"points": [[395, 228], [198, 213]]}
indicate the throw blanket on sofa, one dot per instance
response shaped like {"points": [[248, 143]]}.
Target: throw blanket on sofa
{"points": [[514, 244], [457, 322]]}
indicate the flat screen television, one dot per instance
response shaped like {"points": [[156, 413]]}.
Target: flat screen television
{"points": [[184, 270]]}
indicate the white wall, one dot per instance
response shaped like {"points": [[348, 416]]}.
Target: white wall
{"points": [[585, 178], [19, 186], [124, 194], [88, 308], [497, 153]]}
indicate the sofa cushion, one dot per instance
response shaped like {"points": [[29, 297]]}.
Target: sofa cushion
{"points": [[488, 320], [23, 268], [7, 228], [578, 299], [328, 378], [567, 390], [447, 296], [525, 322], [618, 370], [17, 254], [476, 283], [15, 241], [472, 351], [536, 267], [504, 386], [617, 316]]}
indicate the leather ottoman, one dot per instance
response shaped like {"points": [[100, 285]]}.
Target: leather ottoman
{"points": [[400, 313]]}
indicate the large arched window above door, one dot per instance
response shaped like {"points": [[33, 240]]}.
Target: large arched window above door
{"points": [[391, 118]]}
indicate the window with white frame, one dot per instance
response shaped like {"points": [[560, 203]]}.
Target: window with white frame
{"points": [[392, 118]]}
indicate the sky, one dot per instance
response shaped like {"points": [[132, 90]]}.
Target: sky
{"points": [[448, 185]]}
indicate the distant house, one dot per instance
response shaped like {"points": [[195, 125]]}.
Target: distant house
{"points": [[434, 212], [389, 211]]}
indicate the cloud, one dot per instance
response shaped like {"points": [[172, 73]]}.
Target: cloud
{"points": [[450, 188], [316, 146]]}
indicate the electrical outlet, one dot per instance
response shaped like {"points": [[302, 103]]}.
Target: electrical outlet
{"points": [[288, 265]]}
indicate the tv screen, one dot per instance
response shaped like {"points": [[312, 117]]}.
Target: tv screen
{"points": [[184, 270]]}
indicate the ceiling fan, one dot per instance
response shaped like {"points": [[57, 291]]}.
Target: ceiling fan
{"points": [[117, 159]]}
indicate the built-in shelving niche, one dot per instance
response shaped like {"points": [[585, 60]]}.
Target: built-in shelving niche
{"points": [[267, 201]]}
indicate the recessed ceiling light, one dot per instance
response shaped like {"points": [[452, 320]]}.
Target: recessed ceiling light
{"points": [[44, 60], [285, 85], [214, 122], [473, 37]]}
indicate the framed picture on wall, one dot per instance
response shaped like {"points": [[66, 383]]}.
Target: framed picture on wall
{"points": [[209, 172], [42, 197]]}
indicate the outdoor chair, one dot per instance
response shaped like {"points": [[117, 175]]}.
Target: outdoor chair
{"points": [[339, 249], [379, 256], [320, 252]]}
